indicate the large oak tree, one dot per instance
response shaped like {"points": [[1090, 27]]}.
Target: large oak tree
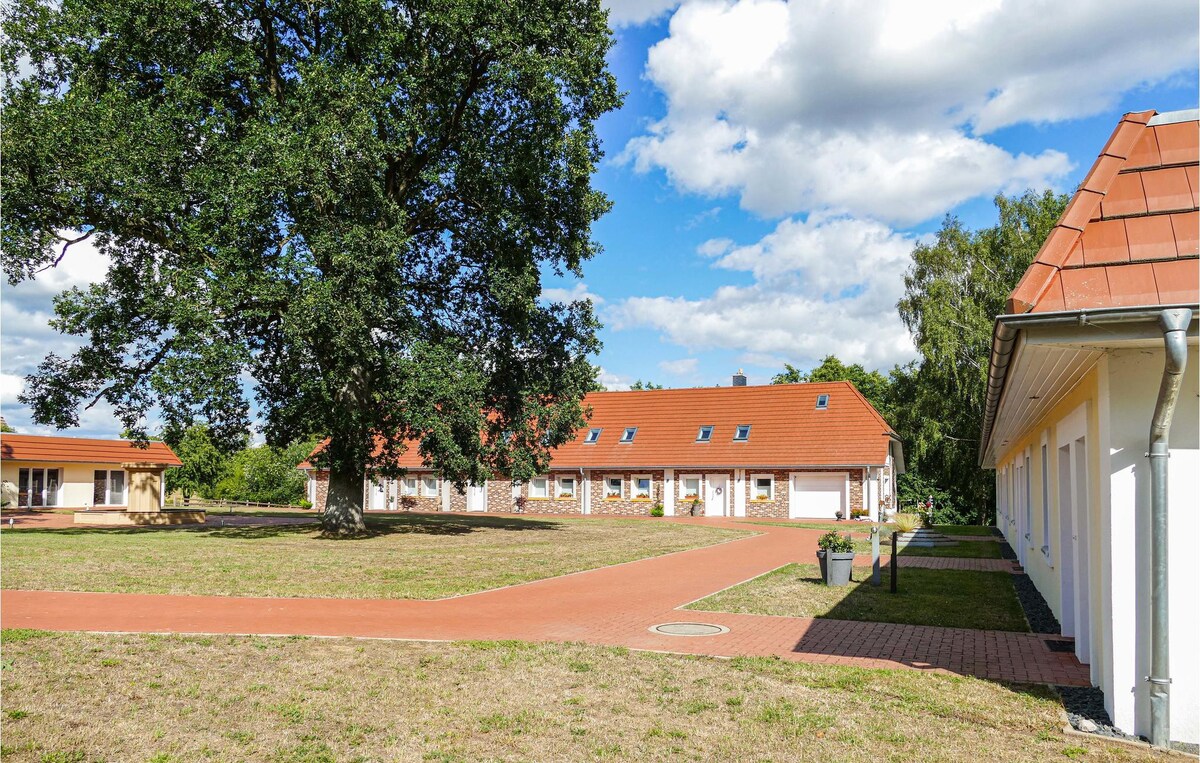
{"points": [[345, 207]]}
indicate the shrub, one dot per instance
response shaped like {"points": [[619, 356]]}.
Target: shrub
{"points": [[858, 513], [832, 542], [905, 523], [657, 511], [304, 503]]}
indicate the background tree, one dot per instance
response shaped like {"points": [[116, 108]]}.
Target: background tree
{"points": [[874, 386], [954, 290], [349, 202], [5, 428], [641, 385], [264, 474], [203, 464]]}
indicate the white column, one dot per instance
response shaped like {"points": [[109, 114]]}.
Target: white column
{"points": [[586, 487], [668, 499]]}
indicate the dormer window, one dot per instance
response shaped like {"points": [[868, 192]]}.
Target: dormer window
{"points": [[742, 433], [592, 436], [627, 435], [705, 434]]}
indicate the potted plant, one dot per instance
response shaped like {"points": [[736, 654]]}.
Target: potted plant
{"points": [[840, 515], [836, 555]]}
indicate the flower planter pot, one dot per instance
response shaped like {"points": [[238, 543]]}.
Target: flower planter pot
{"points": [[836, 568]]}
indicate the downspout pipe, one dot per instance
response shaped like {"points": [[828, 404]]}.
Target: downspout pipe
{"points": [[1174, 325]]}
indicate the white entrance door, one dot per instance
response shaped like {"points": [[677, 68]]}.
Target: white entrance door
{"points": [[716, 495], [476, 497], [378, 496], [817, 495]]}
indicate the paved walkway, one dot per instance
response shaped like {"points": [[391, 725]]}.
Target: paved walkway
{"points": [[953, 563], [614, 605]]}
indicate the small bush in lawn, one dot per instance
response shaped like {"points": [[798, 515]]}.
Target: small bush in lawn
{"points": [[657, 511], [906, 523]]}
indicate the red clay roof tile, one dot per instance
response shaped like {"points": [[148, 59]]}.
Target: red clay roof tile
{"points": [[1187, 232], [1052, 299], [1120, 144], [1058, 246], [1178, 281], [1131, 284], [1167, 190], [1150, 238], [1104, 242], [1145, 153], [1084, 206], [1178, 143], [1125, 196], [80, 450], [1075, 258], [1193, 175], [1084, 287], [1101, 175], [1031, 287]]}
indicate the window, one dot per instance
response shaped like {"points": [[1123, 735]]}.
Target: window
{"points": [[822, 402], [429, 486], [108, 487], [689, 487], [763, 486], [539, 487], [642, 487], [38, 487], [628, 434], [592, 436], [614, 488], [408, 486], [742, 433], [566, 487], [705, 434]]}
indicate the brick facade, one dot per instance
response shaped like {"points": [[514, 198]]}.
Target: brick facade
{"points": [[625, 506], [774, 508], [554, 504]]}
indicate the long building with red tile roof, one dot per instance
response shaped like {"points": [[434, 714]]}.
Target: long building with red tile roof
{"points": [[75, 472], [790, 450], [1099, 349]]}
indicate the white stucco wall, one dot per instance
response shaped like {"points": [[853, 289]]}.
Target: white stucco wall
{"points": [[76, 492], [1132, 383]]}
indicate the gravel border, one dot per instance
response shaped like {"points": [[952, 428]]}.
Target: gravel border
{"points": [[1037, 612], [1085, 710]]}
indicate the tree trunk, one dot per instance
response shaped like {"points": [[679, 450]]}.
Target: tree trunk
{"points": [[343, 515]]}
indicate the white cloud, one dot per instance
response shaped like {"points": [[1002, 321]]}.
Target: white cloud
{"points": [[624, 13], [577, 292], [613, 382], [881, 109], [11, 386], [821, 286], [681, 367]]}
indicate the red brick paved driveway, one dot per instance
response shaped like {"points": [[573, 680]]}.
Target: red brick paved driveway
{"points": [[612, 606]]}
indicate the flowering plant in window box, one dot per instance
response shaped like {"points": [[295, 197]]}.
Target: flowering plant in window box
{"points": [[565, 494], [691, 497], [763, 497]]}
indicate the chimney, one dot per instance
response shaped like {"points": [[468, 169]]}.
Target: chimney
{"points": [[739, 379]]}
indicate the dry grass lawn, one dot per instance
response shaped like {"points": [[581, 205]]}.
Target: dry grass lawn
{"points": [[946, 598], [411, 556], [171, 699]]}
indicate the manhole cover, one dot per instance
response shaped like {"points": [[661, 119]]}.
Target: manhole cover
{"points": [[689, 629]]}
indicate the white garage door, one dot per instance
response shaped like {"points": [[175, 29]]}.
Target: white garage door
{"points": [[817, 495]]}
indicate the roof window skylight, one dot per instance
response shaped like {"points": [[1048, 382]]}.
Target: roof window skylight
{"points": [[822, 402], [592, 436], [742, 433], [627, 435], [705, 434]]}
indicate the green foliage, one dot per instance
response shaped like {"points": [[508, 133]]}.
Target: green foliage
{"points": [[5, 428], [641, 385], [265, 474], [835, 543], [954, 290], [913, 489], [348, 203], [873, 385], [657, 511], [203, 464]]}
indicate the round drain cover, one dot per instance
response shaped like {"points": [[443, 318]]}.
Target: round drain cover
{"points": [[689, 629]]}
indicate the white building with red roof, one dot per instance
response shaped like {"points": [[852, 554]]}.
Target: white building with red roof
{"points": [[1092, 423]]}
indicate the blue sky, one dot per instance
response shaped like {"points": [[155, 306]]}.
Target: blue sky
{"points": [[774, 163]]}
